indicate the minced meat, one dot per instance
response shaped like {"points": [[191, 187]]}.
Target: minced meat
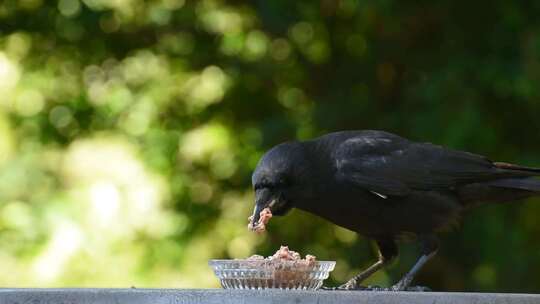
{"points": [[264, 218], [285, 254]]}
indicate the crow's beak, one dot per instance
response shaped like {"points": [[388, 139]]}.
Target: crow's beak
{"points": [[256, 215], [263, 199]]}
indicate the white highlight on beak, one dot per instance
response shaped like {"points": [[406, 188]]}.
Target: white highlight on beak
{"points": [[272, 203], [379, 195]]}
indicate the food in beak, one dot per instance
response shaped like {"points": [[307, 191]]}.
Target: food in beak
{"points": [[260, 225]]}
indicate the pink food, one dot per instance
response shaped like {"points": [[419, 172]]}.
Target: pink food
{"points": [[284, 269], [311, 259], [264, 218], [284, 254]]}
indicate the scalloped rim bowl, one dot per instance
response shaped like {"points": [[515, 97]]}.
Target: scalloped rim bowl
{"points": [[265, 274]]}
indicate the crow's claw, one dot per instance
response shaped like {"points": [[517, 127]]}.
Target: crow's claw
{"points": [[419, 288], [400, 287], [345, 287], [334, 288]]}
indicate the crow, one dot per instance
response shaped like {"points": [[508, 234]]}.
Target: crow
{"points": [[384, 187]]}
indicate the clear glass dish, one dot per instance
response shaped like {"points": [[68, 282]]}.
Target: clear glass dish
{"points": [[264, 274]]}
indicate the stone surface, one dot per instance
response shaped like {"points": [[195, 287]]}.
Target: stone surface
{"points": [[219, 296]]}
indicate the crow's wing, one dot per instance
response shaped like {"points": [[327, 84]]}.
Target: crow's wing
{"points": [[390, 165]]}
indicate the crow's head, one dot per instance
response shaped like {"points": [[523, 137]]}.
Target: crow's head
{"points": [[278, 178]]}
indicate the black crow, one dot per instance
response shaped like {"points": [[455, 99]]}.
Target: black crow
{"points": [[384, 187]]}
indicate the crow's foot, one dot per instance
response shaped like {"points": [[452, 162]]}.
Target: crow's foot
{"points": [[393, 288], [404, 283], [345, 287], [377, 288], [401, 287], [419, 288]]}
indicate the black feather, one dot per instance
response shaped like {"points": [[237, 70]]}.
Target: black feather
{"points": [[383, 186]]}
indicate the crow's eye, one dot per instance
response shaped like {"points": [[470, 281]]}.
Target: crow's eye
{"points": [[281, 182], [262, 186]]}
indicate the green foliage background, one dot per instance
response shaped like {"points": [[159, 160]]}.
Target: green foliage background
{"points": [[129, 130]]}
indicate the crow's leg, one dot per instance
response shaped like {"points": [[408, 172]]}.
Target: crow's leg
{"points": [[388, 250], [430, 245]]}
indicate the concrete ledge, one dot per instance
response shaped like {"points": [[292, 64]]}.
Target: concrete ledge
{"points": [[219, 296]]}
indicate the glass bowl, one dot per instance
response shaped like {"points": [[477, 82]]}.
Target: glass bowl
{"points": [[264, 274]]}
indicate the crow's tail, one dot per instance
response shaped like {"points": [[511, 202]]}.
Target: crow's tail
{"points": [[499, 191], [524, 183], [515, 182], [506, 166]]}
